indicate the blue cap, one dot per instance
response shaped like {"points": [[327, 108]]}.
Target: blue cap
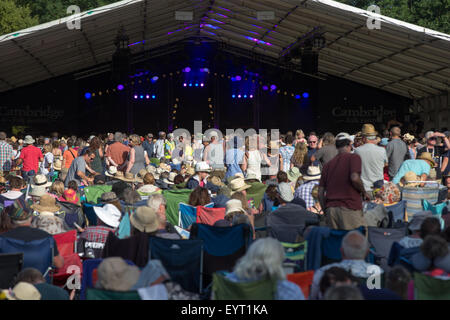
{"points": [[384, 142]]}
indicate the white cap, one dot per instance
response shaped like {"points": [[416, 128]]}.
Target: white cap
{"points": [[343, 135]]}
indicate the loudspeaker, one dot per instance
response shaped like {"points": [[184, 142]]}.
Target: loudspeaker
{"points": [[121, 65], [310, 62]]}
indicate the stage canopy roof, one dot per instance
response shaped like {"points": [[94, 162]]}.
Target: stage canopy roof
{"points": [[401, 58]]}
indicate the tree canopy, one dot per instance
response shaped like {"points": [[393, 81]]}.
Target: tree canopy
{"points": [[14, 17]]}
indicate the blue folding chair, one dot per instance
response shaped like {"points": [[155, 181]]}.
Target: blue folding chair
{"points": [[223, 246], [87, 280], [37, 254], [183, 260], [398, 255], [10, 266], [396, 213], [88, 210], [331, 245]]}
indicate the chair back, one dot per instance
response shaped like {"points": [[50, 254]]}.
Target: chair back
{"points": [[36, 254], [303, 279], [295, 256], [187, 215], [436, 209], [381, 240], [222, 246], [66, 242], [183, 260], [414, 197], [285, 232], [173, 198], [430, 288], [209, 216], [71, 212], [134, 248], [10, 266], [98, 294], [396, 212], [88, 210], [399, 255], [331, 245], [225, 289]]}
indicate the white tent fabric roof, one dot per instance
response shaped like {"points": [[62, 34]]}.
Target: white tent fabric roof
{"points": [[401, 58]]}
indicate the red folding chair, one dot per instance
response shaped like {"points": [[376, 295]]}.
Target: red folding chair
{"points": [[303, 280], [66, 243], [209, 216]]}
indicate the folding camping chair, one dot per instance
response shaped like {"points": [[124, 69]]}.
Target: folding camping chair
{"points": [[396, 213], [98, 294], [430, 288], [10, 266], [223, 246], [88, 210], [183, 260], [36, 254], [224, 289], [398, 255], [381, 240], [303, 279], [331, 245], [67, 247], [209, 216], [295, 256], [187, 214]]}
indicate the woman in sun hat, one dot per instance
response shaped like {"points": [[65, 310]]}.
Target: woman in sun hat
{"points": [[238, 184], [47, 220], [311, 178], [421, 167]]}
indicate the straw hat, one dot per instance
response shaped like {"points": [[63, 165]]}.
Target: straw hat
{"points": [[190, 171], [368, 130], [129, 177], [238, 184], [202, 167], [38, 192], [216, 181], [151, 169], [293, 174], [427, 156], [252, 176], [40, 181], [141, 174], [22, 291], [313, 173], [116, 275], [109, 214], [13, 139], [165, 167], [145, 219], [410, 176], [57, 165], [46, 203], [234, 205]]}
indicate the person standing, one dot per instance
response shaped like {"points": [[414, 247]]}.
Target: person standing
{"points": [[340, 188], [6, 155], [30, 157], [287, 151], [396, 151], [327, 152], [169, 146], [138, 159], [234, 157], [46, 166], [148, 145], [373, 157], [159, 145], [117, 153], [436, 151]]}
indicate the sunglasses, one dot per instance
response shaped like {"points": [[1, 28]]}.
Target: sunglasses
{"points": [[433, 138], [312, 141]]}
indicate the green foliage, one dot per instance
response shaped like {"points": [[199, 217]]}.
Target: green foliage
{"points": [[14, 17], [432, 14]]}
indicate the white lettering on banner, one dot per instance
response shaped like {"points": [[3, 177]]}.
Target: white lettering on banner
{"points": [[73, 278], [94, 245], [374, 23], [374, 280], [74, 23]]}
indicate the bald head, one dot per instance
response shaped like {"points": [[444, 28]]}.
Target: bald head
{"points": [[354, 246], [396, 132]]}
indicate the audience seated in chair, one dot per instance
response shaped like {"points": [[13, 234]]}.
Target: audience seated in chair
{"points": [[421, 225]]}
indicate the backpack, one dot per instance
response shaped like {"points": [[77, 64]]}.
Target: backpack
{"points": [[376, 215]]}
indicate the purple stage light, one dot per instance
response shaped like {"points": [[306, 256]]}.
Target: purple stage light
{"points": [[184, 84], [238, 78], [135, 96], [251, 96], [273, 87], [201, 84], [239, 95], [155, 78], [265, 88], [120, 87], [187, 69], [147, 96]]}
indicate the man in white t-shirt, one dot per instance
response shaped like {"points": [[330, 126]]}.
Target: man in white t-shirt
{"points": [[373, 158]]}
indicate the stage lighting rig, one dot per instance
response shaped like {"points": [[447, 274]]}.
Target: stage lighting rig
{"points": [[121, 60]]}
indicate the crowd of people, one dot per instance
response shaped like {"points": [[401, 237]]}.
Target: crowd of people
{"points": [[310, 180]]}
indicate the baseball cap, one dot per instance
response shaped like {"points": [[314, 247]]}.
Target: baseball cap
{"points": [[343, 135], [429, 134]]}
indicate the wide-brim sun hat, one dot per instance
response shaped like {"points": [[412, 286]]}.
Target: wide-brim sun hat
{"points": [[202, 167], [293, 174], [38, 192], [109, 214], [427, 156], [368, 130], [111, 172], [313, 173], [238, 184], [129, 177], [29, 140], [116, 275], [22, 291], [46, 203], [410, 179], [234, 205], [145, 219], [40, 180]]}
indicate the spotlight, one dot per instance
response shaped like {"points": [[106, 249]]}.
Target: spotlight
{"points": [[306, 95], [185, 84], [196, 84], [238, 78], [297, 96], [239, 95], [233, 96], [147, 96], [135, 96], [233, 79], [265, 88], [251, 96], [187, 69], [155, 78], [190, 84], [273, 87], [142, 97], [201, 84], [245, 96], [120, 87], [153, 97], [88, 95]]}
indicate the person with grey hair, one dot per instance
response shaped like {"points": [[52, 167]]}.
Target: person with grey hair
{"points": [[354, 249], [264, 259], [373, 159], [117, 153], [158, 203], [159, 145], [327, 149]]}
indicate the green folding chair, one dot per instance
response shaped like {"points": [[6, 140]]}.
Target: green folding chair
{"points": [[155, 161], [224, 289], [429, 288], [98, 294], [295, 256]]}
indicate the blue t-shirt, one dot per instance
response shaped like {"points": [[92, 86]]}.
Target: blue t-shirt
{"points": [[419, 167]]}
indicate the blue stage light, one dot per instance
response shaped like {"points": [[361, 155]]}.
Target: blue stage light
{"points": [[306, 95], [142, 97], [190, 84], [153, 97], [245, 96], [265, 88], [273, 87], [233, 96], [196, 84], [297, 96], [88, 95]]}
